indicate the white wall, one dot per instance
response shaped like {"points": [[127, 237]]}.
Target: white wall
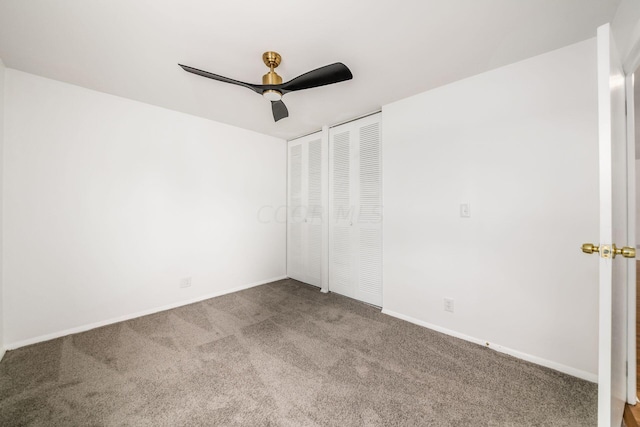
{"points": [[2, 310], [625, 26], [520, 145], [109, 203]]}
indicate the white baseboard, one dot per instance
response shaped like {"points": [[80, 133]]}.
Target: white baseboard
{"points": [[588, 376], [84, 328], [2, 352]]}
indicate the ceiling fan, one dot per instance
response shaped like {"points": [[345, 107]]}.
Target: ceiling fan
{"points": [[272, 87]]}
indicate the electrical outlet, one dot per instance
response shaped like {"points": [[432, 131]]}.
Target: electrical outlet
{"points": [[186, 282], [448, 305]]}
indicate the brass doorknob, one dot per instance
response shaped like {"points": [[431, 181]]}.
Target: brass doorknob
{"points": [[625, 251], [606, 252]]}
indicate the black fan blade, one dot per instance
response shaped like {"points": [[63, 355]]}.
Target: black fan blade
{"points": [[326, 75], [255, 88], [279, 110]]}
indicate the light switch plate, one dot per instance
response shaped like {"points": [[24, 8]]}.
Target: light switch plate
{"points": [[465, 210]]}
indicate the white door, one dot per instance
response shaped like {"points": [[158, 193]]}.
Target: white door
{"points": [[355, 210], [314, 221], [369, 224], [306, 217], [295, 212], [341, 215], [612, 377]]}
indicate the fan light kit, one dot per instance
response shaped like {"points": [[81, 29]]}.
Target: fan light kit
{"points": [[272, 87]]}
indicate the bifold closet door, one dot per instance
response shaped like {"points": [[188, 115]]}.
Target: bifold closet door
{"points": [[355, 210], [306, 213]]}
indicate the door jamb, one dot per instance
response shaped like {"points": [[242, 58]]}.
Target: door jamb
{"points": [[630, 63], [631, 241]]}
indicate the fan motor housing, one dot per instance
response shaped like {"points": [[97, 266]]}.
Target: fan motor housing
{"points": [[271, 78]]}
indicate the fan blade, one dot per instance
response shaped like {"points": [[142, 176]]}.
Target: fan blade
{"points": [[279, 110], [326, 75], [255, 88]]}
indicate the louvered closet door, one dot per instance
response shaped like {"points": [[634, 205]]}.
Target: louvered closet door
{"points": [[295, 214], [307, 233], [314, 227], [341, 215], [355, 203], [369, 224]]}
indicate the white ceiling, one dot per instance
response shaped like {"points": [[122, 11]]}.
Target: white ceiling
{"points": [[395, 49]]}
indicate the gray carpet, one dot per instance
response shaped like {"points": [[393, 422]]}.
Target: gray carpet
{"points": [[281, 354]]}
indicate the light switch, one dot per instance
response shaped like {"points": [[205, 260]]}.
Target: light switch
{"points": [[465, 210]]}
